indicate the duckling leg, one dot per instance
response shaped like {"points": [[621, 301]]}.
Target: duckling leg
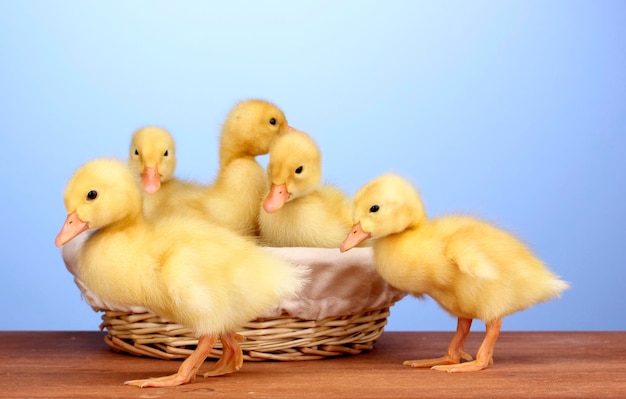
{"points": [[187, 370], [232, 356], [455, 350], [484, 357]]}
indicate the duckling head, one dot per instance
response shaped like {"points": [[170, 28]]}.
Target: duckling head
{"points": [[99, 193], [386, 205], [294, 169], [249, 129], [152, 157]]}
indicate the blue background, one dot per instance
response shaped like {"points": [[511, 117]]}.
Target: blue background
{"points": [[514, 111]]}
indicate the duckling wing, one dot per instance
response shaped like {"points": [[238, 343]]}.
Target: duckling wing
{"points": [[476, 248], [471, 259]]}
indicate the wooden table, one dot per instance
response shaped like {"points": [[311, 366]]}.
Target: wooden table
{"points": [[527, 365]]}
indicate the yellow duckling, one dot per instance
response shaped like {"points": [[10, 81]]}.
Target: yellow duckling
{"points": [[239, 187], [298, 211], [471, 268], [203, 276], [152, 158]]}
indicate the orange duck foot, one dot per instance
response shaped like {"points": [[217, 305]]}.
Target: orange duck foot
{"points": [[474, 365], [444, 360], [187, 370], [485, 353], [232, 356], [167, 381], [455, 350]]}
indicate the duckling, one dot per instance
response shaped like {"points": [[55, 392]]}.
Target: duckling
{"points": [[298, 210], [238, 189], [152, 158], [471, 268], [203, 276], [249, 128]]}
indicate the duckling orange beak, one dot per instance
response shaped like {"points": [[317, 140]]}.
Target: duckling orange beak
{"points": [[356, 236], [150, 179], [276, 198], [72, 227]]}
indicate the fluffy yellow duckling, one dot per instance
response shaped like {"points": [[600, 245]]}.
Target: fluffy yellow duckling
{"points": [[203, 276], [152, 158], [239, 187], [471, 268], [298, 211]]}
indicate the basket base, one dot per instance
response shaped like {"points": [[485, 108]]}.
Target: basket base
{"points": [[284, 338]]}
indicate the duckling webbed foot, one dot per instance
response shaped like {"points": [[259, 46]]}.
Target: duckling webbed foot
{"points": [[455, 350], [187, 370], [232, 356], [484, 357], [167, 381], [474, 365], [438, 361]]}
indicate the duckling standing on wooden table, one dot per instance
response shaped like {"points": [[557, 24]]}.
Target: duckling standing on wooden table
{"points": [[471, 268], [186, 270], [298, 211]]}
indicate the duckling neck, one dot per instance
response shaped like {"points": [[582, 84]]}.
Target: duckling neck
{"points": [[231, 149], [134, 219]]}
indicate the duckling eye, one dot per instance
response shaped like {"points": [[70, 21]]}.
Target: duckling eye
{"points": [[374, 208], [136, 151], [273, 121], [166, 153], [299, 169], [92, 195]]}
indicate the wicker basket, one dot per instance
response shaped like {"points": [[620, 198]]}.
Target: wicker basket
{"points": [[341, 311], [284, 338]]}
